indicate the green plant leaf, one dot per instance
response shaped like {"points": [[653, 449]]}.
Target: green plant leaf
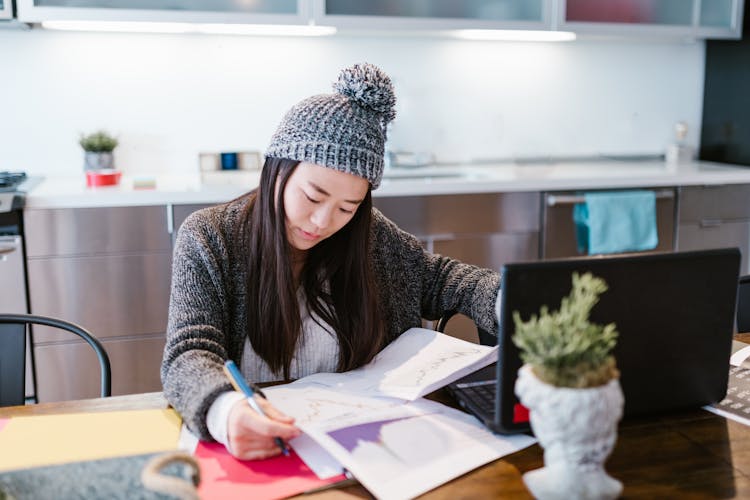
{"points": [[563, 347]]}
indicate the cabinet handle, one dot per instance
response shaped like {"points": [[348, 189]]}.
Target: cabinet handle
{"points": [[710, 222], [4, 250], [571, 199]]}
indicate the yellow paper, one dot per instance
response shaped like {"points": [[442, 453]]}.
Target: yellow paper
{"points": [[55, 439]]}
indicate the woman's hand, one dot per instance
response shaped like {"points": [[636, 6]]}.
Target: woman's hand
{"points": [[251, 435]]}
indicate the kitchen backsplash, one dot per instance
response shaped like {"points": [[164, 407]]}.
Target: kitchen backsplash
{"points": [[170, 97]]}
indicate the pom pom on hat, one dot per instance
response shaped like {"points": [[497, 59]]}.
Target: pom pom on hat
{"points": [[345, 131], [370, 87]]}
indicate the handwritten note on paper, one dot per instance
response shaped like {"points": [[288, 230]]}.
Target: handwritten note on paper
{"points": [[418, 362], [225, 477], [56, 439]]}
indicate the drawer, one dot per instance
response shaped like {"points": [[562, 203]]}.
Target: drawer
{"points": [[71, 370], [114, 295], [721, 235], [463, 214], [729, 202], [87, 231], [490, 251]]}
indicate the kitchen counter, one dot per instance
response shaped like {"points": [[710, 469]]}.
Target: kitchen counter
{"points": [[71, 192]]}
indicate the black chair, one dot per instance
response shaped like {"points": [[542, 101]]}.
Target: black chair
{"points": [[485, 338], [743, 305], [13, 354]]}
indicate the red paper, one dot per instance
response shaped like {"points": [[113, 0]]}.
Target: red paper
{"points": [[225, 477]]}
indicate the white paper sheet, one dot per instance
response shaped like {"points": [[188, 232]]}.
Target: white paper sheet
{"points": [[416, 363]]}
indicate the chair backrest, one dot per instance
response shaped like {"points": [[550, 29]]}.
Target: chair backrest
{"points": [[743, 305], [485, 338], [13, 354]]}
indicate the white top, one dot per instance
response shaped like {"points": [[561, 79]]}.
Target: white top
{"points": [[317, 352], [71, 192]]}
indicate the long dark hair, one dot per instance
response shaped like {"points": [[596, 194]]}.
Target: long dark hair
{"points": [[337, 279]]}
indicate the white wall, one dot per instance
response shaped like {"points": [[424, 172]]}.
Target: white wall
{"points": [[168, 97]]}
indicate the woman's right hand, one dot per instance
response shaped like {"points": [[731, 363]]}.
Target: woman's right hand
{"points": [[251, 435]]}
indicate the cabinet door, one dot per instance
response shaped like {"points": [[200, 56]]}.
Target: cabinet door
{"points": [[698, 18], [435, 14], [199, 11], [71, 371], [95, 231], [696, 236], [709, 204], [110, 295], [6, 9], [720, 18]]}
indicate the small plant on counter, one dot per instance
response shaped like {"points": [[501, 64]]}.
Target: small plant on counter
{"points": [[98, 142], [563, 348]]}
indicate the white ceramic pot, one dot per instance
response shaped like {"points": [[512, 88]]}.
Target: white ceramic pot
{"points": [[577, 429]]}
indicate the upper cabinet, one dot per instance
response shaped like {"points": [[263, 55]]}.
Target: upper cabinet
{"points": [[688, 18], [6, 9], [435, 14], [197, 11], [620, 18]]}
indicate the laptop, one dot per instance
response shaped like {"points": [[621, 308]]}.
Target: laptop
{"points": [[674, 313]]}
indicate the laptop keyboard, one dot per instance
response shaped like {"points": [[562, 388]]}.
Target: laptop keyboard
{"points": [[481, 394]]}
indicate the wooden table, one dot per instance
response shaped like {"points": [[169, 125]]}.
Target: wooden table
{"points": [[689, 455]]}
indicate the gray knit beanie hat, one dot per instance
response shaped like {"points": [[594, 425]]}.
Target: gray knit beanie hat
{"points": [[345, 131]]}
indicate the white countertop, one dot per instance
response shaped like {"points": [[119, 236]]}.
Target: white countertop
{"points": [[71, 192]]}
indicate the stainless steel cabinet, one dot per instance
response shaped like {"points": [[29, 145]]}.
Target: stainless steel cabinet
{"points": [[714, 217], [109, 270], [486, 230]]}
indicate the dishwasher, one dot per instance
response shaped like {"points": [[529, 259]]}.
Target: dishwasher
{"points": [[558, 238]]}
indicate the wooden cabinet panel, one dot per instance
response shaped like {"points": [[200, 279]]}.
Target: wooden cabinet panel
{"points": [[114, 295], [89, 231], [71, 370]]}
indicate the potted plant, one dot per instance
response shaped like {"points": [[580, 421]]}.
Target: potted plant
{"points": [[98, 148], [570, 384]]}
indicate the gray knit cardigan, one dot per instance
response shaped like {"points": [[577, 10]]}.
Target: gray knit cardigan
{"points": [[207, 311]]}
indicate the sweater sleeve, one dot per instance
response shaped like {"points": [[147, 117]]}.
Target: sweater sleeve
{"points": [[442, 284], [196, 346]]}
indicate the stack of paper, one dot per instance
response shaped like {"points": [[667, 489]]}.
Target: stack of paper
{"points": [[373, 422]]}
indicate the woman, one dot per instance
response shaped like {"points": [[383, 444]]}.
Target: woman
{"points": [[303, 275]]}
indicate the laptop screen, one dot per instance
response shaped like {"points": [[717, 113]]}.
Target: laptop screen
{"points": [[674, 313]]}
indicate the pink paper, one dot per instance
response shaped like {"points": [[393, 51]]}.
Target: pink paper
{"points": [[3, 422], [225, 477]]}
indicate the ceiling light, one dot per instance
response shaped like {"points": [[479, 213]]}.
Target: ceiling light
{"points": [[221, 29], [516, 35]]}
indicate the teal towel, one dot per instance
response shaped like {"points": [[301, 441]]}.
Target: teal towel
{"points": [[616, 221]]}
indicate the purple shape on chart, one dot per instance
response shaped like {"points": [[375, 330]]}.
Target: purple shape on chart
{"points": [[348, 437]]}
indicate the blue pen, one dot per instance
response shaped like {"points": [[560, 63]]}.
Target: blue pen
{"points": [[238, 382]]}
